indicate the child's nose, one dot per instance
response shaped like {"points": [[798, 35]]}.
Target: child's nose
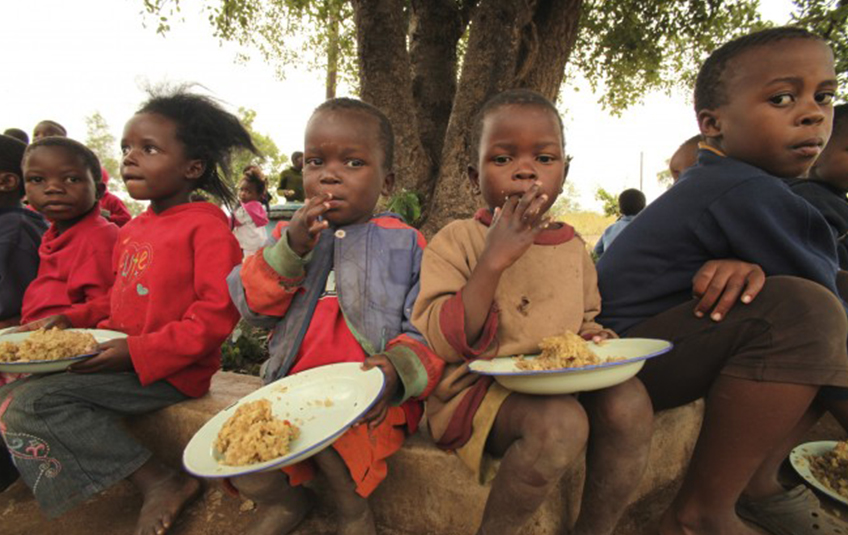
{"points": [[812, 113], [525, 171]]}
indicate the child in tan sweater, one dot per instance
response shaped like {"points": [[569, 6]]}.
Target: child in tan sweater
{"points": [[495, 286]]}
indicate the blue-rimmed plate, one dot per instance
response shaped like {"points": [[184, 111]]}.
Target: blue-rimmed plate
{"points": [[800, 461], [322, 402], [51, 366], [634, 351]]}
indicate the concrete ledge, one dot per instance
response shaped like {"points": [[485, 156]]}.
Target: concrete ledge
{"points": [[428, 490]]}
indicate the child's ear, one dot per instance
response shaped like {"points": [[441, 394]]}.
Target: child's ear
{"points": [[195, 169], [99, 190], [709, 121], [565, 174], [9, 182], [388, 184], [474, 179]]}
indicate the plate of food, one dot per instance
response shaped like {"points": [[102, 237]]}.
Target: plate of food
{"points": [[283, 422], [50, 350], [569, 364], [824, 465]]}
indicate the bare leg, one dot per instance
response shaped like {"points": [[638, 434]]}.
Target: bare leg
{"points": [[538, 438], [355, 517], [744, 421], [620, 428], [839, 409], [281, 507], [166, 492]]}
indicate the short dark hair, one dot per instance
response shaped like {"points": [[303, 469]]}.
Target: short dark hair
{"points": [[512, 97], [710, 91], [631, 202], [840, 119], [86, 155], [295, 155], [385, 134], [208, 132], [53, 124], [17, 133], [11, 156]]}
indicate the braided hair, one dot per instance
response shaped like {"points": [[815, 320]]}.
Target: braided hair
{"points": [[208, 132], [710, 91]]}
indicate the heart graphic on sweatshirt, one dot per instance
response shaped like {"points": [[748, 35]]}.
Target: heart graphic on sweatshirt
{"points": [[141, 289], [135, 259]]}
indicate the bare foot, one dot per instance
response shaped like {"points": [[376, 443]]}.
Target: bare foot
{"points": [[282, 518], [361, 524], [672, 523], [164, 500]]}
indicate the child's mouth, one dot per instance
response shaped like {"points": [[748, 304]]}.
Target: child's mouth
{"points": [[808, 149]]}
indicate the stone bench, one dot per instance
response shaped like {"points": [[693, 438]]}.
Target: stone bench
{"points": [[429, 491]]}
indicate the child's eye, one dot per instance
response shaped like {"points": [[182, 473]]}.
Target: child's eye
{"points": [[783, 99], [501, 160], [354, 163], [150, 149], [72, 179], [124, 150], [313, 161], [33, 179], [546, 158], [824, 98]]}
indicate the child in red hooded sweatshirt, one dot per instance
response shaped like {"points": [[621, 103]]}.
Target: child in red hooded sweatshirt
{"points": [[170, 297], [111, 206]]}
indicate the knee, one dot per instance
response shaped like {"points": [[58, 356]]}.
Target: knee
{"points": [[557, 432], [623, 408], [810, 309]]}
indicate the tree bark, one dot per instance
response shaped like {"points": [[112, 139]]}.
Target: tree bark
{"points": [[386, 82], [542, 62], [488, 68]]}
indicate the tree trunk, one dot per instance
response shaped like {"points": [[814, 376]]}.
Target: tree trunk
{"points": [[542, 67], [435, 29], [332, 52], [386, 82]]}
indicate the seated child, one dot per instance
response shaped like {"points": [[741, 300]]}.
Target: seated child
{"points": [[684, 157], [250, 218], [62, 179], [20, 234], [170, 296], [48, 128], [827, 186], [496, 285], [764, 107], [630, 203], [338, 286], [291, 179], [111, 206]]}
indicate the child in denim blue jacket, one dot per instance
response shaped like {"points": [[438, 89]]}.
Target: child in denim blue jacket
{"points": [[339, 286]]}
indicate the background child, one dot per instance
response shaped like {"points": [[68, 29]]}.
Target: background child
{"points": [[20, 234], [763, 104], [48, 128], [111, 206], [684, 157], [827, 187], [487, 290], [630, 203], [170, 296], [62, 178], [249, 219], [291, 179], [18, 134], [317, 288]]}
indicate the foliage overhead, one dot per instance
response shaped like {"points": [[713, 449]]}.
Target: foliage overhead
{"points": [[271, 160], [609, 200], [828, 18]]}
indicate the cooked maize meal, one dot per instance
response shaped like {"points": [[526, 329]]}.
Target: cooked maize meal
{"points": [[50, 344], [565, 351], [253, 435], [831, 469]]}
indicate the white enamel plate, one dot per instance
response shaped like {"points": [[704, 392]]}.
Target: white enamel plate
{"points": [[323, 402], [635, 351], [51, 366], [799, 458]]}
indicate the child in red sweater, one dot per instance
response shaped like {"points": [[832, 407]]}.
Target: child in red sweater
{"points": [[62, 180], [170, 296]]}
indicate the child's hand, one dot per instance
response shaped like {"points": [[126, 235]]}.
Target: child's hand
{"points": [[597, 337], [720, 283], [378, 412], [114, 356], [304, 228], [59, 321], [514, 228]]}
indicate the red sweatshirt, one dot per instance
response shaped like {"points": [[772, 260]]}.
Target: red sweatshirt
{"points": [[170, 294], [75, 267], [118, 213]]}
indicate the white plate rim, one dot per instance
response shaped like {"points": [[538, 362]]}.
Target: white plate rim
{"points": [[280, 461], [798, 460], [68, 359], [657, 353]]}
